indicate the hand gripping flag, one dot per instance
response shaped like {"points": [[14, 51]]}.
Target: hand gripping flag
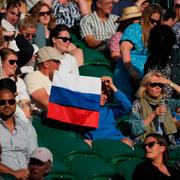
{"points": [[75, 99]]}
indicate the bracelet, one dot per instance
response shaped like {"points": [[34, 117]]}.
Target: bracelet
{"points": [[171, 84]]}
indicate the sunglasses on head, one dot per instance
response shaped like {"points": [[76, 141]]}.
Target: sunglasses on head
{"points": [[65, 39], [153, 21], [150, 144], [48, 13], [12, 61], [34, 161], [156, 84], [3, 102]]}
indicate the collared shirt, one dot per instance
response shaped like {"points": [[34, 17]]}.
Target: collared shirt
{"points": [[17, 147], [92, 25]]}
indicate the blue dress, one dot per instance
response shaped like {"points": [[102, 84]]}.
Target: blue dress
{"points": [[122, 79]]}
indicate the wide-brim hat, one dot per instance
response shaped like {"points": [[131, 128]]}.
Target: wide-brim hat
{"points": [[129, 12]]}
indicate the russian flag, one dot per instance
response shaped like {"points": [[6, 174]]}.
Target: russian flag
{"points": [[75, 99]]}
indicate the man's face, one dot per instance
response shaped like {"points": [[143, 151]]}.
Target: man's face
{"points": [[12, 15], [7, 104], [28, 33], [38, 169], [105, 6]]}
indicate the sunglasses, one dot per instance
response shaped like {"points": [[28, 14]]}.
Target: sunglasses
{"points": [[156, 84], [12, 61], [65, 39], [150, 144], [48, 13], [153, 21], [34, 161], [28, 35], [3, 102]]}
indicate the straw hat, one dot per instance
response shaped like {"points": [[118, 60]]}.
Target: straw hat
{"points": [[129, 13]]}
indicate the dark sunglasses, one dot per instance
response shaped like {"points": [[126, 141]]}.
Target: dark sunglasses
{"points": [[28, 35], [156, 84], [48, 13], [3, 102], [12, 61], [34, 161], [65, 39], [153, 21], [150, 144]]}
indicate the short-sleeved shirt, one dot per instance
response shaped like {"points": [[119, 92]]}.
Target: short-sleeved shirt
{"points": [[67, 14], [133, 34], [18, 146], [37, 80], [92, 25]]}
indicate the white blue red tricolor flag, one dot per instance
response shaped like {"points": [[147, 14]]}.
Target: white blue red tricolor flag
{"points": [[75, 99]]}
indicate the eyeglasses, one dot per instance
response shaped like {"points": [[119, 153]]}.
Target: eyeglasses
{"points": [[47, 13], [156, 84], [28, 35], [12, 61], [150, 144], [3, 102], [65, 39], [153, 21], [34, 161]]}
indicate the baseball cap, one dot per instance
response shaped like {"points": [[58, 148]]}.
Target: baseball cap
{"points": [[48, 53], [43, 154]]}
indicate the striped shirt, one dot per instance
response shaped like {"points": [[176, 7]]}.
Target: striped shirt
{"points": [[67, 14], [92, 25]]}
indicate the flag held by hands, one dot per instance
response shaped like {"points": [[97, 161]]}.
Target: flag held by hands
{"points": [[75, 99]]}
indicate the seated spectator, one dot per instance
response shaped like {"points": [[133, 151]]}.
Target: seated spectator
{"points": [[146, 110], [156, 164], [9, 61], [42, 13], [38, 83], [69, 12], [97, 28], [107, 122], [72, 56], [40, 163], [17, 138]]}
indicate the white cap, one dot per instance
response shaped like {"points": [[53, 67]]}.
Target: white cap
{"points": [[42, 154]]}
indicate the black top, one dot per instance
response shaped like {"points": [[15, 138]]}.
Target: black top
{"points": [[147, 171]]}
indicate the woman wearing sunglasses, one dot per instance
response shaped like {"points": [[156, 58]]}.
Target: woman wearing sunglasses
{"points": [[149, 115], [133, 46], [9, 60], [42, 13], [155, 167]]}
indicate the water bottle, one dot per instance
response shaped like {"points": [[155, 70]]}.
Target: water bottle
{"points": [[162, 116]]}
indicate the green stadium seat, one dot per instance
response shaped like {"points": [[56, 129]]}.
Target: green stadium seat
{"points": [[68, 148], [113, 151], [5, 176], [89, 168]]}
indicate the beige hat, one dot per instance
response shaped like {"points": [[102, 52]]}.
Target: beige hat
{"points": [[48, 53], [129, 13], [43, 154]]}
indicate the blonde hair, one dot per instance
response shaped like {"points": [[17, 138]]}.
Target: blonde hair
{"points": [[27, 22], [145, 20], [145, 81]]}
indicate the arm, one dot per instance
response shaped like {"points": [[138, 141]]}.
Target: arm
{"points": [[83, 6], [92, 41], [19, 174], [126, 48], [41, 96]]}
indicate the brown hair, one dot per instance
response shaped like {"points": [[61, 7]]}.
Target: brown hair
{"points": [[145, 20], [4, 52], [35, 14]]}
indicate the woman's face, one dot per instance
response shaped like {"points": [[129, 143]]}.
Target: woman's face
{"points": [[155, 19], [153, 149], [9, 65], [44, 15], [154, 87]]}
